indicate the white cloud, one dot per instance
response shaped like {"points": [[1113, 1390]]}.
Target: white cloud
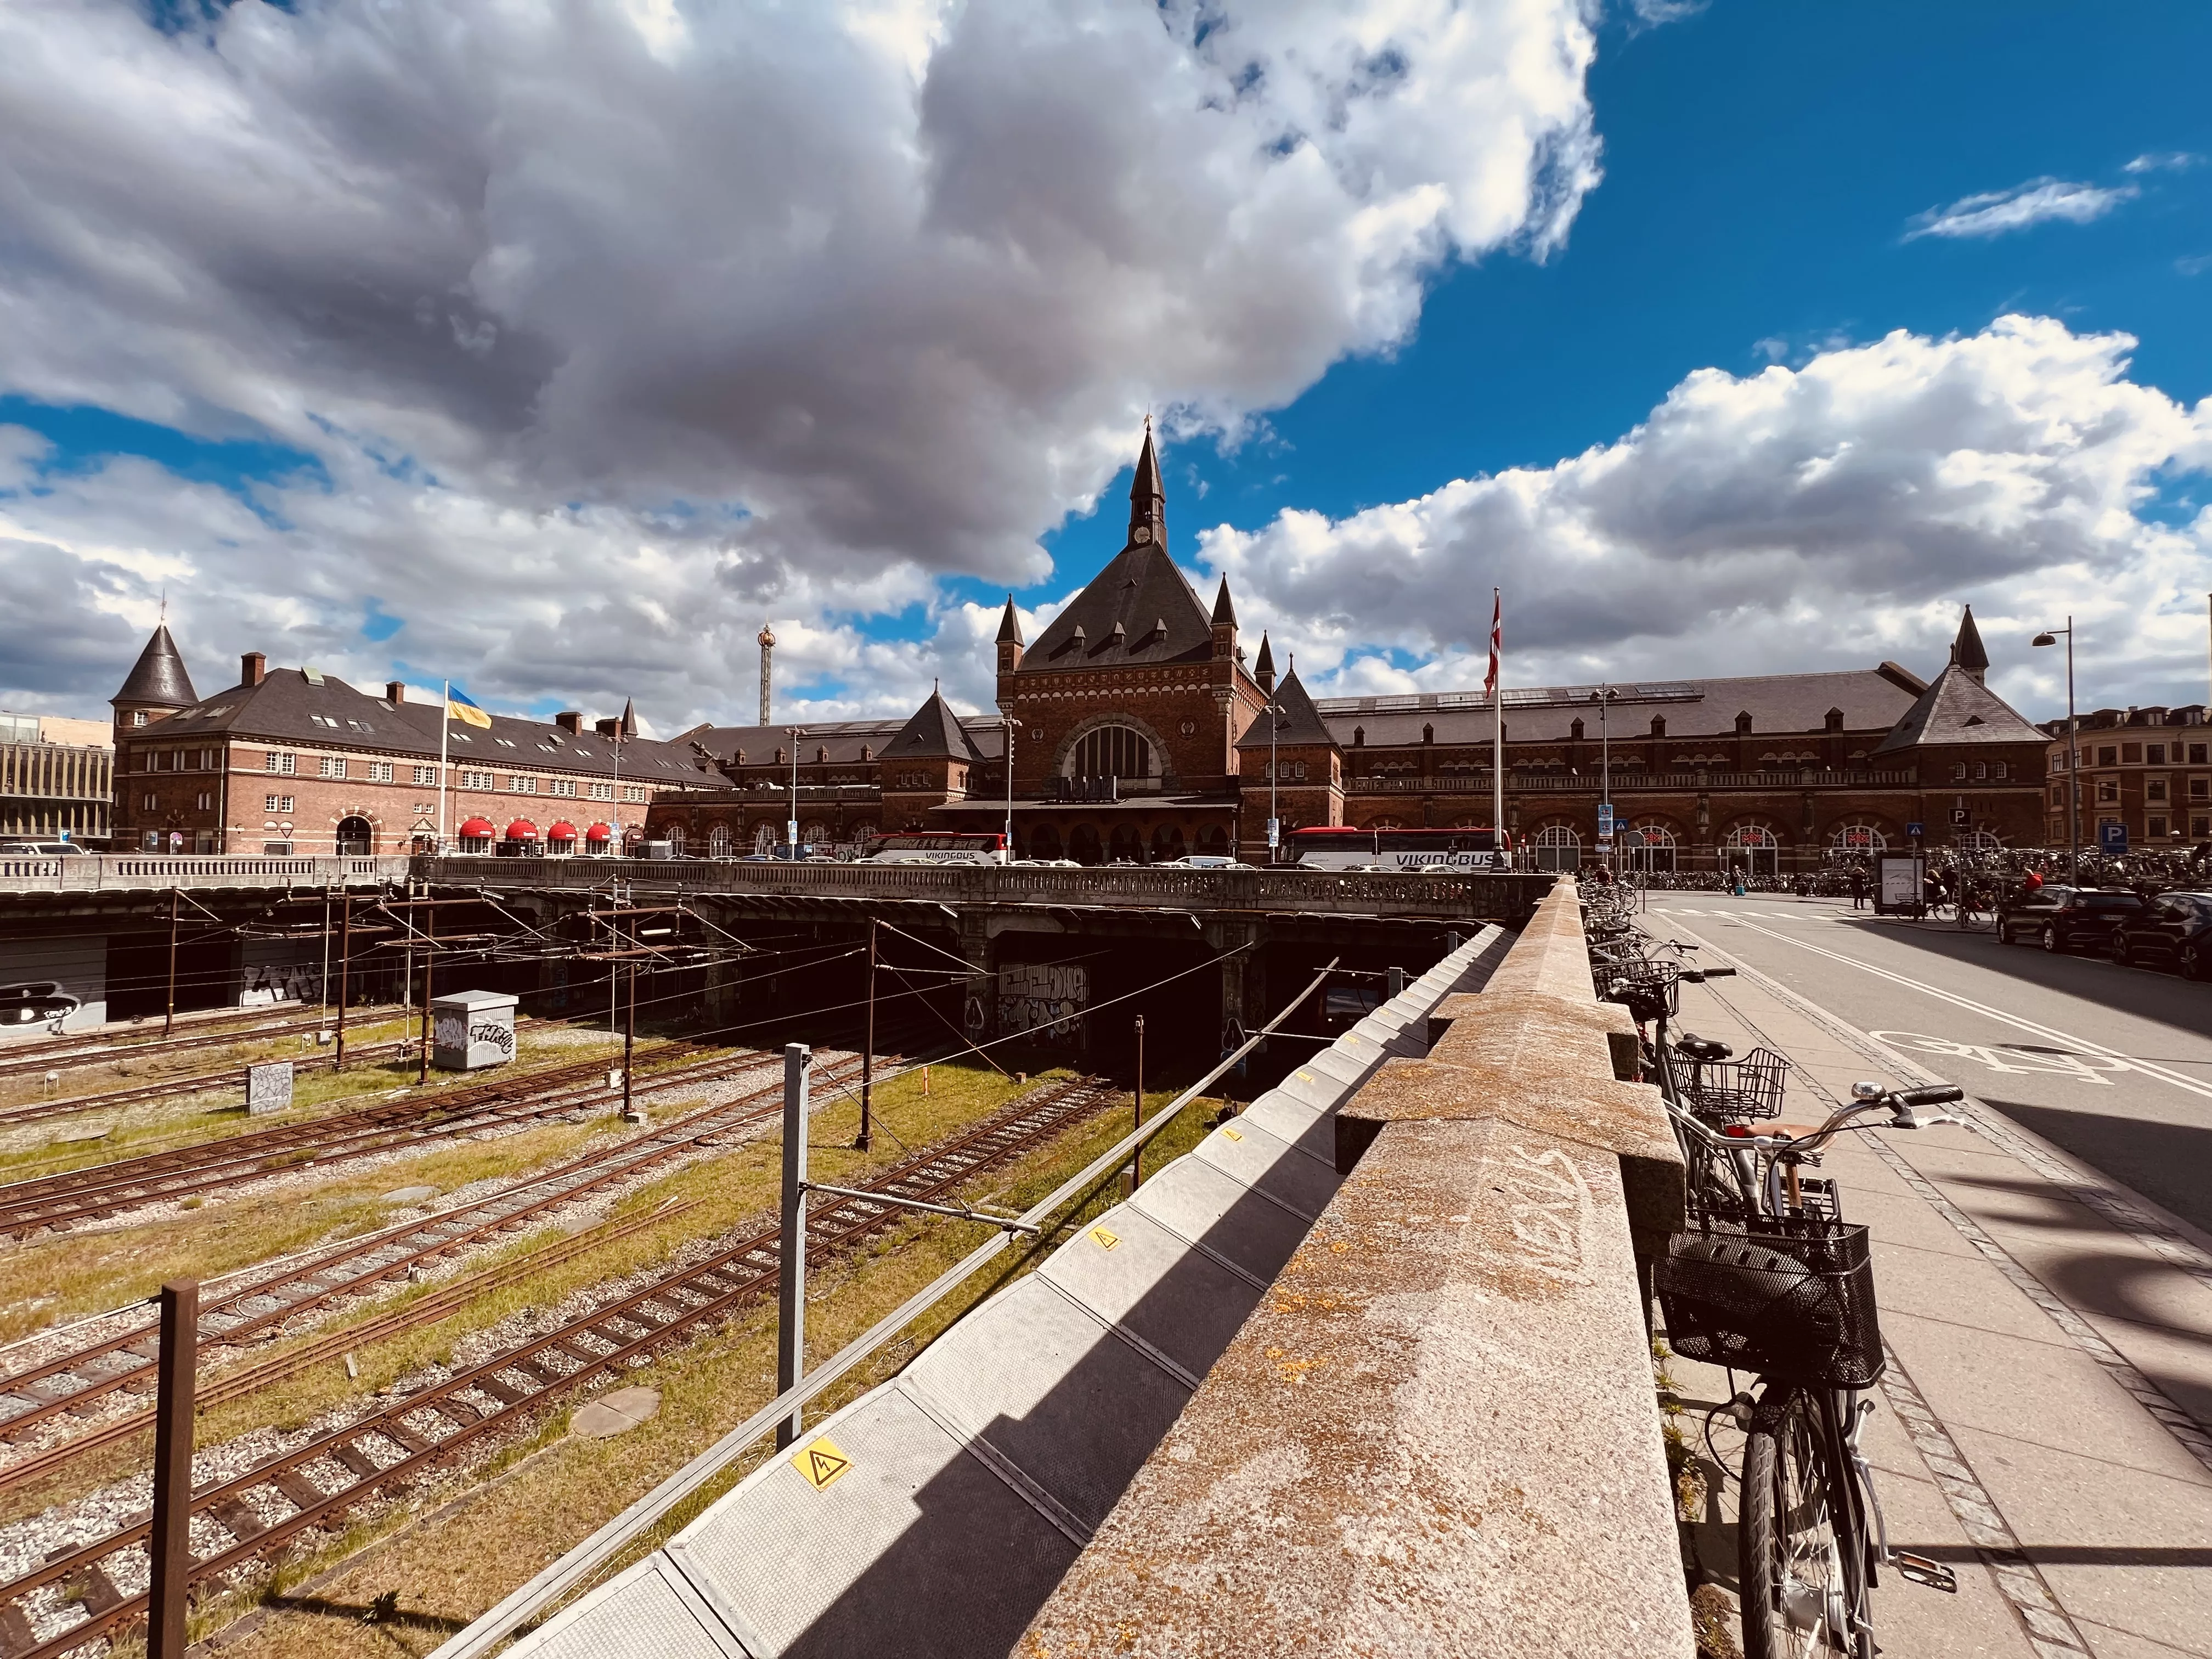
{"points": [[2036, 201], [802, 307], [1830, 516], [2171, 161]]}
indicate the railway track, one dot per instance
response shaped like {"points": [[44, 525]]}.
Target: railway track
{"points": [[83, 1593], [61, 1201], [197, 1083], [73, 1383], [62, 1053]]}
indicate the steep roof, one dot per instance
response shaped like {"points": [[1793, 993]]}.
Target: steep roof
{"points": [[1967, 650], [1958, 709], [1299, 726], [326, 713], [1263, 666], [1009, 625], [934, 733], [844, 741], [158, 677], [1144, 594], [1224, 608]]}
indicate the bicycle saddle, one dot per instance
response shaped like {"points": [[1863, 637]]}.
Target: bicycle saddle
{"points": [[1704, 1050]]}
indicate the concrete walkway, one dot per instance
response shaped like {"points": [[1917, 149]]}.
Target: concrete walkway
{"points": [[2045, 1428]]}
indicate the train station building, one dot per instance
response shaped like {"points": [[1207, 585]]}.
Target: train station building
{"points": [[1140, 730]]}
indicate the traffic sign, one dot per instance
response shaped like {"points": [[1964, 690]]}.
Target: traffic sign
{"points": [[1915, 830], [2112, 837], [1605, 817], [1961, 818]]}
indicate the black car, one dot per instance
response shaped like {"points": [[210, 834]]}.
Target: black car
{"points": [[2174, 930], [2067, 918]]}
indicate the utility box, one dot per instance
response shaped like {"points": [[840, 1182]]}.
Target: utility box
{"points": [[269, 1088], [472, 1029]]}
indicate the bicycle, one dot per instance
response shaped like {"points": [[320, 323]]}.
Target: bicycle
{"points": [[1787, 1294]]}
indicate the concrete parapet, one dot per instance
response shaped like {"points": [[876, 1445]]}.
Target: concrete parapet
{"points": [[1434, 1434]]}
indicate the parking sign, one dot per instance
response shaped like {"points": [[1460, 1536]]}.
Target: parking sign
{"points": [[2112, 837]]}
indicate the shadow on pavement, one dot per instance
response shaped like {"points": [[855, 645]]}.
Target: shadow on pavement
{"points": [[2170, 1163]]}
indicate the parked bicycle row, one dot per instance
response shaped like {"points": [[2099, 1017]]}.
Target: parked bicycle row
{"points": [[1770, 1280]]}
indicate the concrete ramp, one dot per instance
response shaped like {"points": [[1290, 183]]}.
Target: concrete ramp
{"points": [[934, 1517]]}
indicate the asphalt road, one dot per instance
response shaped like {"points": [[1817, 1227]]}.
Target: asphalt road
{"points": [[2112, 1064]]}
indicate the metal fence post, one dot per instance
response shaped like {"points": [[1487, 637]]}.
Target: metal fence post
{"points": [[170, 1545], [1396, 981], [791, 1250]]}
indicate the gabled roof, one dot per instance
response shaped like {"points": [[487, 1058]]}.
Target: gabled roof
{"points": [[1954, 710], [934, 733], [1300, 725], [158, 679], [1142, 592], [326, 713]]}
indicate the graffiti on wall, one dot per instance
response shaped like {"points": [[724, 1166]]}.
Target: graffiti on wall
{"points": [[1045, 1000], [280, 981]]}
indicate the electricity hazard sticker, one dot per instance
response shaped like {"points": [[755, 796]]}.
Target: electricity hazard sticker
{"points": [[1107, 1238], [821, 1464], [1228, 1133]]}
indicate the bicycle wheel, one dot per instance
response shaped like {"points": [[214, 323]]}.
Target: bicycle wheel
{"points": [[1793, 1551]]}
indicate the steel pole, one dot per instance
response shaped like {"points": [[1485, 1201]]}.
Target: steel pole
{"points": [[169, 1547], [791, 1250], [866, 1136], [169, 1019], [345, 961], [630, 1041], [429, 975], [2072, 771], [1137, 1112]]}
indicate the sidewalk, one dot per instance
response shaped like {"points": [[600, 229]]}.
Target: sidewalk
{"points": [[2045, 1427]]}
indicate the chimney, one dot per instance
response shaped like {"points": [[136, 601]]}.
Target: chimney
{"points": [[395, 692], [607, 728], [570, 720], [252, 668]]}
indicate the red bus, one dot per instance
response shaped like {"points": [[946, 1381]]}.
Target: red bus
{"points": [[937, 847], [1341, 848]]}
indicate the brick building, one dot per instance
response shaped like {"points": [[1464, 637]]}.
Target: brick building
{"points": [[1139, 732], [2150, 768], [290, 760]]}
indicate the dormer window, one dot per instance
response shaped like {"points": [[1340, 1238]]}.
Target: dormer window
{"points": [[1428, 734], [1575, 730], [1743, 723], [1358, 737]]}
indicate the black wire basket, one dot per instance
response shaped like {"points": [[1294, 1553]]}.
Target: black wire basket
{"points": [[1650, 990], [1790, 1299], [1747, 1090]]}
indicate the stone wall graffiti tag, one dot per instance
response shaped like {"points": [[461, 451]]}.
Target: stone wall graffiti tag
{"points": [[1044, 1000], [1547, 1207]]}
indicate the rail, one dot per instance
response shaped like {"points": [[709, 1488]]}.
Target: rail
{"points": [[1628, 782]]}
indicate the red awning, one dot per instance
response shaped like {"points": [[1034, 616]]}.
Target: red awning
{"points": [[598, 832], [563, 831], [478, 830], [522, 829]]}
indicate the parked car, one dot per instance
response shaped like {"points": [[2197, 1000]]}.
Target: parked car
{"points": [[2066, 918], [2174, 930], [44, 849]]}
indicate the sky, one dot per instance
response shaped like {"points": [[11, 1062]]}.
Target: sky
{"points": [[553, 349]]}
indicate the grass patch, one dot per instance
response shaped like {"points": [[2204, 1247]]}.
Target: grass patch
{"points": [[451, 1570]]}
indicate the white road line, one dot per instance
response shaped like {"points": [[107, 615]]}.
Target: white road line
{"points": [[2065, 1039]]}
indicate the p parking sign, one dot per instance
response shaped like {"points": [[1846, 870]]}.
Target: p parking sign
{"points": [[2112, 837]]}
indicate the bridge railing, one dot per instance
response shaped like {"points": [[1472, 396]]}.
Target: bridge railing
{"points": [[143, 871], [1473, 893]]}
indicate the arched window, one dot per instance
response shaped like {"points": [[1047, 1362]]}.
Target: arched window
{"points": [[1979, 841], [675, 839], [864, 833], [1751, 849], [718, 842], [1857, 839], [814, 833], [1559, 846], [355, 835], [1044, 842], [1111, 751], [764, 838], [1648, 847]]}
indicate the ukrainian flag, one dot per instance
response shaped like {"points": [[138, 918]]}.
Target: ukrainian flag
{"points": [[459, 708]]}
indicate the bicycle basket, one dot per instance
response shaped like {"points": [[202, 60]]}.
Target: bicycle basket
{"points": [[1747, 1090], [1650, 990], [1792, 1299]]}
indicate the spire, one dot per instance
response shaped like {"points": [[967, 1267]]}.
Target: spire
{"points": [[766, 637], [628, 718], [1009, 625], [1148, 519], [1263, 671], [158, 679], [1224, 612], [1966, 650]]}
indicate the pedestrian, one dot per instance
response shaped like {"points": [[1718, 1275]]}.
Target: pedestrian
{"points": [[1858, 888]]}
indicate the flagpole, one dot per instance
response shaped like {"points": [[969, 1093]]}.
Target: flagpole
{"points": [[1497, 719], [445, 727]]}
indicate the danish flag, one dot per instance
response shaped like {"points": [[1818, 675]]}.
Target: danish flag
{"points": [[1496, 640]]}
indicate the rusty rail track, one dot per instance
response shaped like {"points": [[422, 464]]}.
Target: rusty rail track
{"points": [[64, 1054], [70, 1384], [316, 1484], [197, 1083]]}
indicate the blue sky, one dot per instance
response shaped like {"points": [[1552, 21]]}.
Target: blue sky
{"points": [[341, 418]]}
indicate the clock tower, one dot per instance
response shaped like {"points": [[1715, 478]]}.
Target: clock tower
{"points": [[1148, 511]]}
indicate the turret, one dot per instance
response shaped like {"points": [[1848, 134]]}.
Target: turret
{"points": [[1009, 639], [1967, 652], [157, 687], [1224, 624], [1263, 670]]}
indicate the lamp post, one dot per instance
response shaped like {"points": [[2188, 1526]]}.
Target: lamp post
{"points": [[791, 824], [1603, 697], [1007, 722], [2050, 636], [1274, 818]]}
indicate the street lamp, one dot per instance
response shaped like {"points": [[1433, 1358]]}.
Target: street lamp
{"points": [[791, 824], [1007, 722], [1603, 697], [1274, 818], [2049, 637]]}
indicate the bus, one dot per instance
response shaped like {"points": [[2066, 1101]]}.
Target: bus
{"points": [[1341, 848], [937, 847]]}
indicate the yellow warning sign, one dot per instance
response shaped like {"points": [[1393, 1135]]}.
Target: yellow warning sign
{"points": [[821, 1464], [1228, 1134], [1107, 1238]]}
